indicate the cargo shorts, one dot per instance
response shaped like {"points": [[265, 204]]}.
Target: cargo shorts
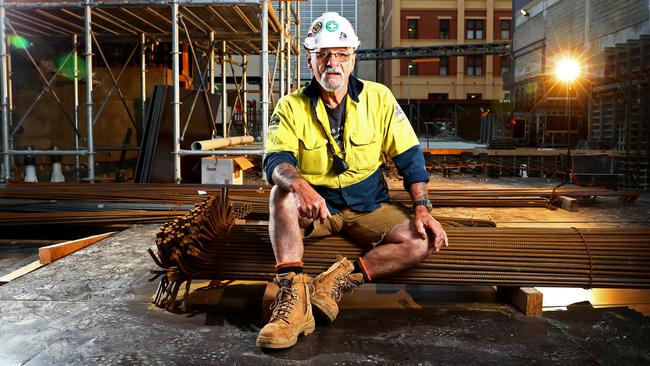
{"points": [[366, 228]]}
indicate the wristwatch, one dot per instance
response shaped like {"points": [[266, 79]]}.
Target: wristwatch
{"points": [[426, 203]]}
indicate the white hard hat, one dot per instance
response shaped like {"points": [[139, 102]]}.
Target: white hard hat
{"points": [[331, 30]]}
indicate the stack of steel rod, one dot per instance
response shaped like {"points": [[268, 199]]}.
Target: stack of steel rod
{"points": [[620, 258], [41, 203]]}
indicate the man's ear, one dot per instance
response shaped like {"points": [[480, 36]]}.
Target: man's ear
{"points": [[309, 61]]}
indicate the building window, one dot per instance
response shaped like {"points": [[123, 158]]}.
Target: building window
{"points": [[505, 64], [412, 25], [412, 68], [474, 96], [474, 28], [474, 66], [505, 29], [444, 28], [444, 66]]}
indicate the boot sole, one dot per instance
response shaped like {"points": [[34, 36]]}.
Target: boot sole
{"points": [[265, 342], [322, 312]]}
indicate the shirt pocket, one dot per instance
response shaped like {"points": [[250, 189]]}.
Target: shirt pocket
{"points": [[313, 159], [365, 151]]}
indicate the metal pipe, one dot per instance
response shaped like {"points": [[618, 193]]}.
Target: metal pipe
{"points": [[281, 45], [298, 21], [12, 160], [143, 80], [224, 91], [289, 42], [75, 102], [4, 95], [89, 90], [244, 102], [221, 152], [265, 71], [47, 152], [176, 95], [212, 65]]}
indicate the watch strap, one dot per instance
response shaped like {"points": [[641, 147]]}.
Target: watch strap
{"points": [[426, 203]]}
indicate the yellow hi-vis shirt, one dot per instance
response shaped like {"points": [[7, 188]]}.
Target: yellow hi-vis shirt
{"points": [[375, 127]]}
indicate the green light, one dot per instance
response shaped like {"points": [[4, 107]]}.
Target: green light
{"points": [[19, 42], [65, 64]]}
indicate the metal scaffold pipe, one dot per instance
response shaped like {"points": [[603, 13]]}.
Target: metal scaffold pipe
{"points": [[75, 106], [89, 90], [4, 95], [176, 94], [265, 70], [143, 80], [224, 90]]}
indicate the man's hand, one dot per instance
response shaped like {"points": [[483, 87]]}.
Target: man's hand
{"points": [[310, 204], [423, 222]]}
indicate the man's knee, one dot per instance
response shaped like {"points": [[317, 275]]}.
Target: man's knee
{"points": [[418, 249], [279, 199]]}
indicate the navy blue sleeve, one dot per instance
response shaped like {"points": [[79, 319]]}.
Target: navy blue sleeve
{"points": [[276, 158], [410, 165]]}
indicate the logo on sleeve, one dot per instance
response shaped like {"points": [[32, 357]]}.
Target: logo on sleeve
{"points": [[399, 113], [274, 122]]}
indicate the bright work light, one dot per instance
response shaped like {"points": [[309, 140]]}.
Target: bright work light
{"points": [[567, 70]]}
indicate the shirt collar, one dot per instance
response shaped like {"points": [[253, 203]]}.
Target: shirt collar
{"points": [[312, 91]]}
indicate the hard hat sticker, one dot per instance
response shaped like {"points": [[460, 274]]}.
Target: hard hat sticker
{"points": [[332, 26], [343, 36], [317, 27]]}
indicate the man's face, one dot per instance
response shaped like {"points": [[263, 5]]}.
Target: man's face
{"points": [[331, 66]]}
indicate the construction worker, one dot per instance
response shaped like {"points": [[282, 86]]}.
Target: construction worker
{"points": [[326, 147]]}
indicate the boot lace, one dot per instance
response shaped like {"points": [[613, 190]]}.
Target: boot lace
{"points": [[284, 303], [341, 286]]}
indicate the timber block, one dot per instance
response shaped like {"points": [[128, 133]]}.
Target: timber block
{"points": [[568, 203], [54, 252], [526, 299]]}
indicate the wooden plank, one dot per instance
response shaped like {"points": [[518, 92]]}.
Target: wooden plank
{"points": [[526, 299], [55, 252], [567, 203], [20, 272]]}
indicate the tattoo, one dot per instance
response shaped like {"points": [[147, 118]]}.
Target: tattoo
{"points": [[419, 191], [284, 175]]}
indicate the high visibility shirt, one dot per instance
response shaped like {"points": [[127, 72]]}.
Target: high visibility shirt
{"points": [[375, 128]]}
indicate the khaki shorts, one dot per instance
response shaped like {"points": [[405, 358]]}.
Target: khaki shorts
{"points": [[362, 227]]}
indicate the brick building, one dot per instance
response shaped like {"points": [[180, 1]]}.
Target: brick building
{"points": [[445, 88]]}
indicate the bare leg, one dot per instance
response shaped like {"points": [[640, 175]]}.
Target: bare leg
{"points": [[404, 248], [284, 227]]}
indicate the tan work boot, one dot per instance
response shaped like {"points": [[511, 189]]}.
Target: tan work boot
{"points": [[292, 313], [330, 285]]}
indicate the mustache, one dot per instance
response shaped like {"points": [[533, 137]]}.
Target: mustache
{"points": [[334, 70]]}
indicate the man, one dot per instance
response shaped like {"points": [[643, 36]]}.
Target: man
{"points": [[326, 147]]}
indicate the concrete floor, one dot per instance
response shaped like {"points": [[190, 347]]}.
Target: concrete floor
{"points": [[94, 308]]}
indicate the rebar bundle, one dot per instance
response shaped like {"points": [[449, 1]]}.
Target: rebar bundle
{"points": [[207, 244], [44, 204]]}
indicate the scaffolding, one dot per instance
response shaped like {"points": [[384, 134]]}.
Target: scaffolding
{"points": [[230, 28]]}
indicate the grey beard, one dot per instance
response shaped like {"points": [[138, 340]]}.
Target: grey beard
{"points": [[323, 79]]}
